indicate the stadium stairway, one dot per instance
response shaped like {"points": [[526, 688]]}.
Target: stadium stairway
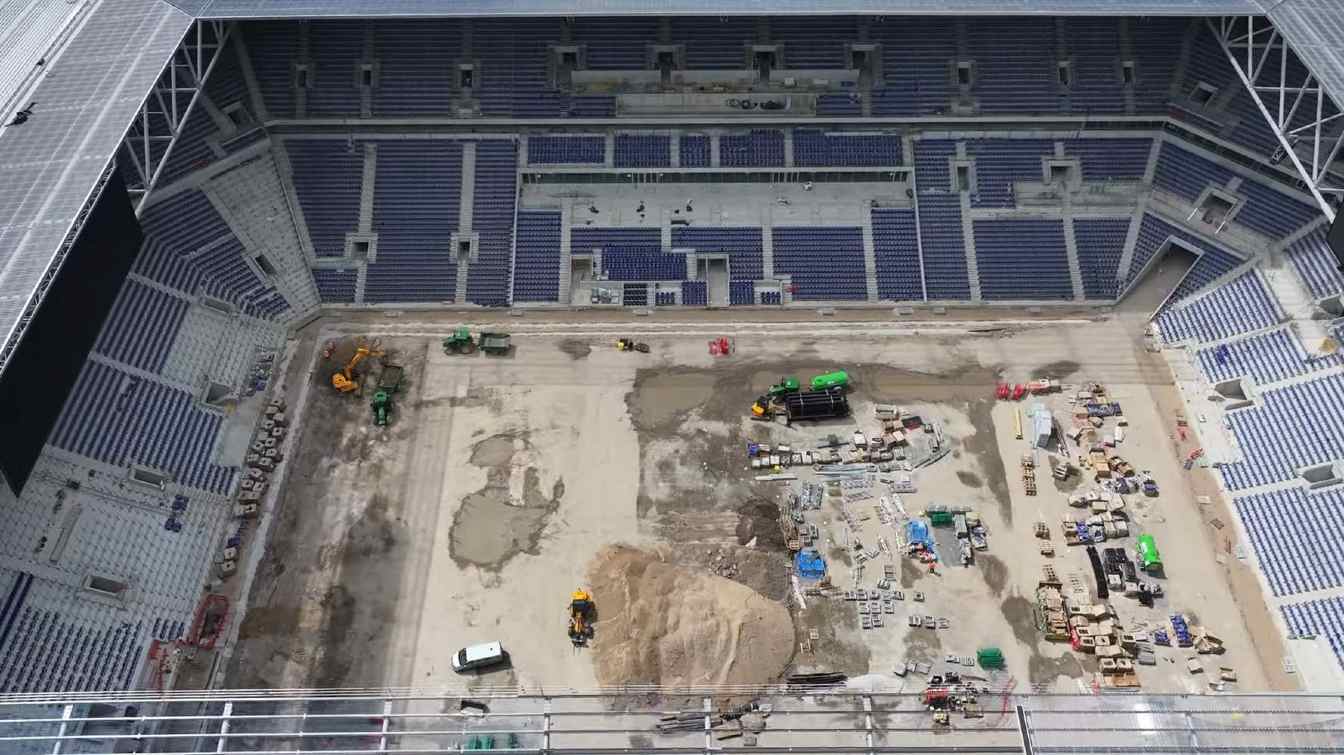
{"points": [[1292, 295], [566, 284], [465, 206], [361, 278], [767, 249], [367, 188], [1071, 249], [968, 234], [869, 257]]}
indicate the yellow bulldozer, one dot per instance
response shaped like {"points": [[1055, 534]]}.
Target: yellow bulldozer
{"points": [[581, 610], [343, 380]]}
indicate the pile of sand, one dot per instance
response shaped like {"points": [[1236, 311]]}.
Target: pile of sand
{"points": [[658, 623]]}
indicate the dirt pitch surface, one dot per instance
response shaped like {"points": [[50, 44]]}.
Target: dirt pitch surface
{"points": [[504, 483]]}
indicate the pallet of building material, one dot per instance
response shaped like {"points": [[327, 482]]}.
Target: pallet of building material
{"points": [[817, 678]]}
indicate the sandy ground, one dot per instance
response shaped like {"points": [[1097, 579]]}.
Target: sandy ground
{"points": [[476, 513]]}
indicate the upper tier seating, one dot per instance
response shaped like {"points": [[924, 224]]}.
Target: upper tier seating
{"points": [[542, 150], [753, 149], [643, 151], [812, 147], [327, 174], [1001, 162]]}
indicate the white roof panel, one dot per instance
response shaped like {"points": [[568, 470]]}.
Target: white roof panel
{"points": [[1315, 31], [86, 98], [375, 8], [28, 31]]}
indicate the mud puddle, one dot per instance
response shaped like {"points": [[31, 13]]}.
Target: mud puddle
{"points": [[508, 515]]}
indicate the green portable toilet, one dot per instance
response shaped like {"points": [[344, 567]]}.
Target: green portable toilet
{"points": [[1148, 555], [837, 379], [989, 657], [940, 518]]}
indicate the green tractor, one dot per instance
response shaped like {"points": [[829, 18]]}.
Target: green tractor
{"points": [[460, 342], [382, 407], [785, 386]]}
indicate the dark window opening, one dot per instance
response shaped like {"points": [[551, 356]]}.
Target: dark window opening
{"points": [[570, 59], [1203, 94], [667, 62], [265, 264], [219, 305], [106, 586], [464, 249], [148, 477], [217, 393], [858, 59], [366, 76], [964, 74], [1060, 174], [963, 178], [765, 62], [1127, 72], [238, 115], [1216, 209], [301, 77], [465, 77], [360, 249], [1065, 73]]}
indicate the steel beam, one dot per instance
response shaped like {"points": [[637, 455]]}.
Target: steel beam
{"points": [[1249, 43], [149, 143]]}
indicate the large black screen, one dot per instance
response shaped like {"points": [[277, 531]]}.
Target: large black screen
{"points": [[1336, 238], [47, 361]]}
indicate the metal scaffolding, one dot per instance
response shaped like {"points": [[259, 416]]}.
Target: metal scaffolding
{"points": [[155, 131], [1300, 112]]}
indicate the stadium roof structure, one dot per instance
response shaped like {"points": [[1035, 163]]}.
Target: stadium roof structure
{"points": [[230, 9], [102, 73]]}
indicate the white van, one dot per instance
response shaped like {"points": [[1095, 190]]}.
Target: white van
{"points": [[481, 656]]}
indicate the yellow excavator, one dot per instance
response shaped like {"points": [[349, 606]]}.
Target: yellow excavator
{"points": [[344, 380], [581, 609]]}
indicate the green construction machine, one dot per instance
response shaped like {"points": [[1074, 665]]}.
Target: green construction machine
{"points": [[460, 342], [382, 407], [786, 385], [389, 382], [837, 379], [496, 344]]}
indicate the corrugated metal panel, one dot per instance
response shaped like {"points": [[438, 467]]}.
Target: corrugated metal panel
{"points": [[28, 29], [373, 8], [49, 165], [1315, 31]]}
